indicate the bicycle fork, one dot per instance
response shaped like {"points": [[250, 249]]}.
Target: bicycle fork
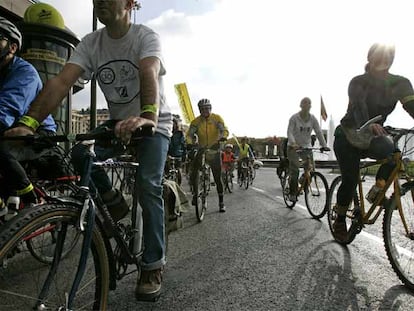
{"points": [[87, 216]]}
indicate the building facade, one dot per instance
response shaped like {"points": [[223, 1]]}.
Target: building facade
{"points": [[81, 119]]}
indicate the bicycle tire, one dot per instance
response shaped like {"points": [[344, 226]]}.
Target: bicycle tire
{"points": [[246, 179], [228, 182], [399, 245], [286, 191], [316, 195], [253, 173], [22, 268], [251, 178], [240, 180], [61, 189], [332, 215], [179, 177], [198, 192]]}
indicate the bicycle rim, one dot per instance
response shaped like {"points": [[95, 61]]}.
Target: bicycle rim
{"points": [[23, 277], [316, 195], [399, 245], [332, 214]]}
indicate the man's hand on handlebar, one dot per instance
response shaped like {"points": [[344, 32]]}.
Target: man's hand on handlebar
{"points": [[125, 129], [20, 130]]}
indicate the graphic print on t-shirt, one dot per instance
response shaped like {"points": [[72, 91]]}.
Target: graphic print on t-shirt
{"points": [[119, 81]]}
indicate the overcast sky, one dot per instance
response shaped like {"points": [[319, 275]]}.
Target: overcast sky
{"points": [[255, 60]]}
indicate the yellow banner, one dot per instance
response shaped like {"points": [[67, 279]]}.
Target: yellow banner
{"points": [[184, 101]]}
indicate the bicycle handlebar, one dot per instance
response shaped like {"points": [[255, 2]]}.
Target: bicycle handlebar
{"points": [[369, 122], [312, 149], [105, 134]]}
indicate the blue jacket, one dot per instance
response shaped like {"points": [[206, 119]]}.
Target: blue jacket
{"points": [[19, 85], [177, 144]]}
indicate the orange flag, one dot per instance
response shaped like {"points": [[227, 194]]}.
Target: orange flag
{"points": [[324, 115]]}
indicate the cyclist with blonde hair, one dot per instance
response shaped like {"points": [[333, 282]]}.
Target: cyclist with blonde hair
{"points": [[374, 93]]}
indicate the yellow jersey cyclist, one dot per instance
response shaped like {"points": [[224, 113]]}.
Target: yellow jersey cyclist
{"points": [[208, 128], [244, 155]]}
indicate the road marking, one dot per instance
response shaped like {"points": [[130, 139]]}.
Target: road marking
{"points": [[401, 250], [258, 190]]}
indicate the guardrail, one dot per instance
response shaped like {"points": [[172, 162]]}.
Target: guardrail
{"points": [[319, 163], [333, 164]]}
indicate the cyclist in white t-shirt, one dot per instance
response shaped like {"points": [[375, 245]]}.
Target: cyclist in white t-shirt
{"points": [[126, 60], [299, 133]]}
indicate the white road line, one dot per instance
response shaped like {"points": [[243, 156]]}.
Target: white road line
{"points": [[401, 250]]}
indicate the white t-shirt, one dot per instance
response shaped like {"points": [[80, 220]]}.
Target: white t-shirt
{"points": [[300, 130], [115, 65]]}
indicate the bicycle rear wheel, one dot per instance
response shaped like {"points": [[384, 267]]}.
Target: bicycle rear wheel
{"points": [[316, 195], [24, 276], [398, 233], [351, 214]]}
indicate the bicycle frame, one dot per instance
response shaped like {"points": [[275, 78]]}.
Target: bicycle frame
{"points": [[370, 215], [130, 247], [308, 167]]}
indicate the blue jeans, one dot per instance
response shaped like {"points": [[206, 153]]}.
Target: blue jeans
{"points": [[151, 155]]}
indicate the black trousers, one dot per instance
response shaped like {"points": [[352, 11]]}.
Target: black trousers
{"points": [[349, 158], [215, 164]]}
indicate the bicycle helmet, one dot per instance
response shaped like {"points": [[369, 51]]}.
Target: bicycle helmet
{"points": [[204, 103], [229, 146], [11, 31]]}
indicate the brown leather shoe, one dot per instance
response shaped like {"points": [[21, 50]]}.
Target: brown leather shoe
{"points": [[149, 285], [340, 232]]}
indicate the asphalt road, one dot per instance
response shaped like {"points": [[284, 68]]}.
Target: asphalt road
{"points": [[259, 255]]}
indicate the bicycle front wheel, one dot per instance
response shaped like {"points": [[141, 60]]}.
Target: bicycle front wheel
{"points": [[228, 181], [316, 195], [285, 180], [351, 214], [23, 277], [398, 233], [48, 235], [198, 192]]}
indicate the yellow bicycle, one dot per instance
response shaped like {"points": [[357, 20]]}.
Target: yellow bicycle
{"points": [[398, 221], [311, 182]]}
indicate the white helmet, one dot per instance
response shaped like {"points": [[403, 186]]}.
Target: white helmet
{"points": [[11, 31]]}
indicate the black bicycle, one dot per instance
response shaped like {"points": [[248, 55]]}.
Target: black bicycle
{"points": [[201, 184], [172, 169], [101, 256]]}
